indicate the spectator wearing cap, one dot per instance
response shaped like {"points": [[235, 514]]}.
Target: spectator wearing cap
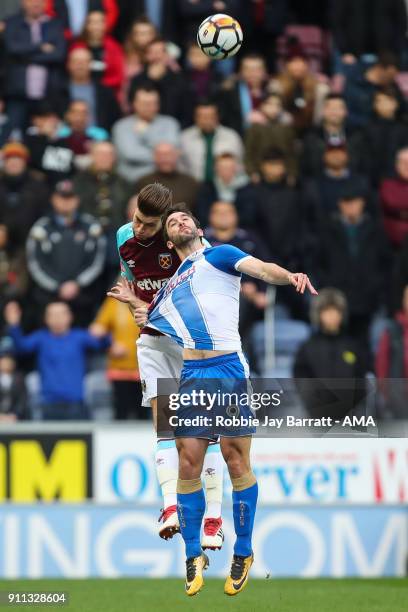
{"points": [[302, 92], [228, 180], [394, 201], [49, 153], [13, 392], [60, 352], [102, 104], [136, 136], [35, 52], [66, 252], [332, 129], [23, 194], [385, 135], [183, 186], [351, 244], [330, 353], [321, 193], [270, 129], [205, 140], [242, 94], [170, 84]]}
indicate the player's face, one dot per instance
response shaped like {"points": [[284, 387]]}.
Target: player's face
{"points": [[331, 319], [181, 229], [145, 227]]}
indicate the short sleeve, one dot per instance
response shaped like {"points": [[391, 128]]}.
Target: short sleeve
{"points": [[226, 258]]}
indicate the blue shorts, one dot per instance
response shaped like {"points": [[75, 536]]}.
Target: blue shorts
{"points": [[214, 398]]}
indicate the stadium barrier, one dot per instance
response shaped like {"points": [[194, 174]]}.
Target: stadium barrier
{"points": [[82, 500]]}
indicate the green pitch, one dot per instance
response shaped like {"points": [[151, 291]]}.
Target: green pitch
{"points": [[144, 595]]}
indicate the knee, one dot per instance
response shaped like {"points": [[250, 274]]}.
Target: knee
{"points": [[237, 464], [189, 465]]}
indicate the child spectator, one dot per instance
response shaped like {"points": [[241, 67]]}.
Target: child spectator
{"points": [[60, 351]]}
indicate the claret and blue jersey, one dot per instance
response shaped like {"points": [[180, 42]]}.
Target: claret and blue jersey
{"points": [[199, 306]]}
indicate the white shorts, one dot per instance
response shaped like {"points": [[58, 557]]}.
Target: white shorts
{"points": [[158, 357]]}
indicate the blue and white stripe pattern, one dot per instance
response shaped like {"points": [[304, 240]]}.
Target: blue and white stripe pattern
{"points": [[199, 306]]}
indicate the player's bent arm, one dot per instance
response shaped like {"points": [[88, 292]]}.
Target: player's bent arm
{"points": [[275, 275], [268, 272]]}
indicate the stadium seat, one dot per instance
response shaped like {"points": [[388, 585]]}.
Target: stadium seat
{"points": [[314, 41], [289, 335]]}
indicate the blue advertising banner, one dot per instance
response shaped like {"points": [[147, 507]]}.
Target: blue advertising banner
{"points": [[112, 541]]}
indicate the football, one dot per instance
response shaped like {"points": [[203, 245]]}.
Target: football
{"points": [[220, 36]]}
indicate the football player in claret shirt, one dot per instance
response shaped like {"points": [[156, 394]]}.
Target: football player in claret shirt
{"points": [[148, 263]]}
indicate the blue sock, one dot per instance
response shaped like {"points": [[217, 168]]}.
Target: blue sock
{"points": [[190, 510], [243, 508]]}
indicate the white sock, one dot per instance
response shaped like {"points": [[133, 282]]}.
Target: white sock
{"points": [[213, 472], [167, 470]]}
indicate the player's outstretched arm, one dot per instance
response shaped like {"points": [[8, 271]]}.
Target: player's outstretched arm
{"points": [[275, 275]]}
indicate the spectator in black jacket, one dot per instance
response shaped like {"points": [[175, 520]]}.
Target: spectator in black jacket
{"points": [[171, 85], [103, 107], [50, 154], [353, 255], [228, 180], [244, 93], [321, 194], [363, 80], [66, 254], [23, 195], [13, 392], [328, 354], [333, 129], [385, 135], [272, 208], [35, 52]]}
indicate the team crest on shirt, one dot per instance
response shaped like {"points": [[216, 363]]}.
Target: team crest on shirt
{"points": [[165, 260]]}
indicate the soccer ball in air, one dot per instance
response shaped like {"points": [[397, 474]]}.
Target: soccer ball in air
{"points": [[220, 36]]}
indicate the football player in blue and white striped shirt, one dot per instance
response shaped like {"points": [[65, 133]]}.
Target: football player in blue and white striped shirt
{"points": [[199, 309]]}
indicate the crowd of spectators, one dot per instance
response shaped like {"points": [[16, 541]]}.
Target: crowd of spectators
{"points": [[296, 151]]}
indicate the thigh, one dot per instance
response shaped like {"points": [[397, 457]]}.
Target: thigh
{"points": [[160, 359]]}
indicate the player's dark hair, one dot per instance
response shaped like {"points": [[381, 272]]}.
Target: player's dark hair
{"points": [[154, 199], [181, 207]]}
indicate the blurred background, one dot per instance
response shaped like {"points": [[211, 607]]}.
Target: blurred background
{"points": [[295, 151]]}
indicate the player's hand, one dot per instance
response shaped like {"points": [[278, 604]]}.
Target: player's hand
{"points": [[140, 314], [12, 313], [301, 282], [123, 292]]}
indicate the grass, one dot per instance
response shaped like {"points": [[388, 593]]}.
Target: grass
{"points": [[166, 595]]}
